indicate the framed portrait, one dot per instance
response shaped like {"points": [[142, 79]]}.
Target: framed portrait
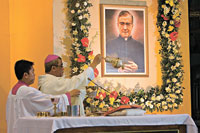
{"points": [[124, 40]]}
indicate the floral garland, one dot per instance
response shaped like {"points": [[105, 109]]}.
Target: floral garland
{"points": [[167, 97], [81, 50]]}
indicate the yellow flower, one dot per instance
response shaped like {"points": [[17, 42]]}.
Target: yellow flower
{"points": [[84, 67], [171, 57], [170, 28], [91, 57], [82, 27], [172, 95], [158, 105], [85, 15], [178, 92], [102, 105], [96, 102], [88, 100], [158, 98], [91, 84], [175, 105], [153, 98], [112, 99], [75, 59], [171, 3], [166, 35]]}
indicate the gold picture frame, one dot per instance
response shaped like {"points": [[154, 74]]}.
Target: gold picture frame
{"points": [[124, 40]]}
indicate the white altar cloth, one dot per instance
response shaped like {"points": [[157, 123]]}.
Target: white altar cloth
{"points": [[51, 124]]}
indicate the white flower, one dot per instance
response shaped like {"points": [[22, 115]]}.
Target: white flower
{"points": [[164, 103], [148, 103], [75, 32], [164, 23], [73, 24], [166, 10], [80, 17], [178, 92], [72, 11], [82, 27], [168, 99], [178, 84], [168, 89], [77, 5], [142, 100], [174, 80], [85, 3], [177, 64], [169, 105], [165, 107], [158, 98], [173, 68], [75, 69]]}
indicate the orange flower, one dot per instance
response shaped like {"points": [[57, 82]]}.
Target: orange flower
{"points": [[85, 42], [81, 58]]}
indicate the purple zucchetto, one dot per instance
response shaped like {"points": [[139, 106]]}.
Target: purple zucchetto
{"points": [[50, 58]]}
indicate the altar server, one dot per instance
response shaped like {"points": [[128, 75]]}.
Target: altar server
{"points": [[54, 83], [24, 100]]}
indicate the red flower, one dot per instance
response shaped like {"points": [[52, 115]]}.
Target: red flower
{"points": [[165, 17], [85, 42], [91, 53], [101, 96], [110, 108], [113, 94], [96, 72], [173, 36], [177, 23], [81, 58], [124, 100]]}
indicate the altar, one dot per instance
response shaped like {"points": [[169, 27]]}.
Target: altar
{"points": [[180, 123]]}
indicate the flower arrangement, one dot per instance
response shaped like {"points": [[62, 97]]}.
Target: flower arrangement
{"points": [[167, 97], [81, 50]]}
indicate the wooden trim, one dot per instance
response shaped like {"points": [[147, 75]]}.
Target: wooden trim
{"points": [[134, 129]]}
